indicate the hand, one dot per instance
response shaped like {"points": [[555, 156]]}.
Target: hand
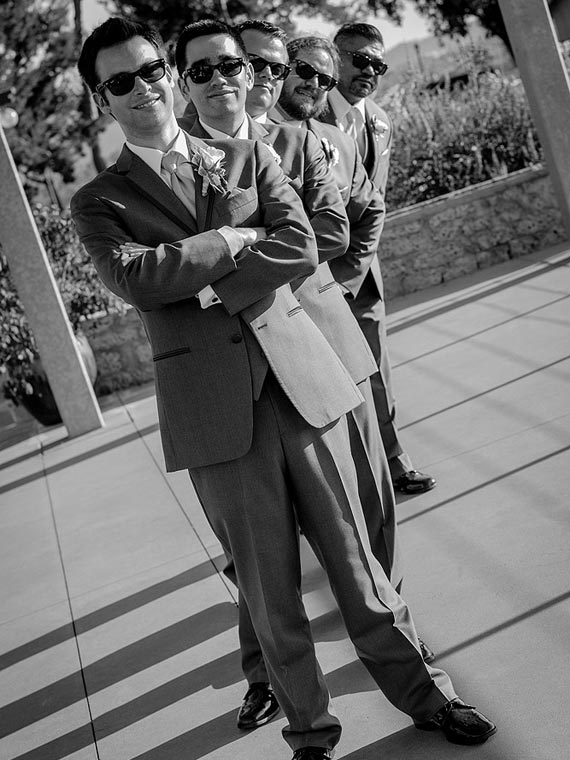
{"points": [[251, 235], [133, 249]]}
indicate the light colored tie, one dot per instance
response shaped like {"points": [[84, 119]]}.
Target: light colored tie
{"points": [[179, 175], [354, 126]]}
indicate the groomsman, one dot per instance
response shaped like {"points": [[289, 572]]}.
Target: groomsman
{"points": [[352, 109], [301, 157], [215, 76]]}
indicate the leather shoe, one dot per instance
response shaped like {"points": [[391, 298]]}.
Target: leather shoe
{"points": [[461, 723], [313, 753], [427, 654], [258, 707], [413, 482]]}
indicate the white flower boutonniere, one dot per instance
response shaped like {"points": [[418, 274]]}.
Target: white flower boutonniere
{"points": [[274, 153], [207, 161], [379, 127], [331, 152]]}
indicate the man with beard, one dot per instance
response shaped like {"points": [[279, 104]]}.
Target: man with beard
{"points": [[351, 108]]}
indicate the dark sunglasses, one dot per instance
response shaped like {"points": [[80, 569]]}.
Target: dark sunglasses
{"points": [[278, 70], [123, 83], [306, 71], [200, 73], [363, 61]]}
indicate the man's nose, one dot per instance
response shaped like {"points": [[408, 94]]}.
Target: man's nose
{"points": [[141, 85]]}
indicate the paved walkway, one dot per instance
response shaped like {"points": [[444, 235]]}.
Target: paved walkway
{"points": [[118, 633]]}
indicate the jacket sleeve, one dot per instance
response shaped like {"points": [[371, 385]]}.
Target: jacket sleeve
{"points": [[290, 250], [158, 274], [366, 213]]}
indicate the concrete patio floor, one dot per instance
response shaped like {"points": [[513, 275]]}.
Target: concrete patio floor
{"points": [[118, 632]]}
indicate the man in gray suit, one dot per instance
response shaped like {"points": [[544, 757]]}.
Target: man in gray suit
{"points": [[352, 109], [203, 239]]}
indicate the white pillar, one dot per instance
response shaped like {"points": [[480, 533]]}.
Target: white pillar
{"points": [[535, 45], [45, 312]]}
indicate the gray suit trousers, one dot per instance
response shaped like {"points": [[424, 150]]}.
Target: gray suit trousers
{"points": [[298, 475]]}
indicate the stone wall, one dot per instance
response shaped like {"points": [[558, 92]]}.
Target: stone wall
{"points": [[439, 240], [422, 245]]}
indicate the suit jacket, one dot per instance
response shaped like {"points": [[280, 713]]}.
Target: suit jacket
{"points": [[379, 131], [303, 161], [207, 366]]}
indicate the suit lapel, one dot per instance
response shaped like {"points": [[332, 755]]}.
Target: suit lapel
{"points": [[204, 203], [373, 153], [149, 184]]}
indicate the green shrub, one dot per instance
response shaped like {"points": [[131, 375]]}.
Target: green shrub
{"points": [[446, 139]]}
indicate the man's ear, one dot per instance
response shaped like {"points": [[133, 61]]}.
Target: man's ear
{"points": [[101, 103], [249, 77], [170, 76], [183, 87]]}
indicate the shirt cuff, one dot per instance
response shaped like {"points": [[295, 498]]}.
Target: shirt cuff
{"points": [[233, 239], [208, 297]]}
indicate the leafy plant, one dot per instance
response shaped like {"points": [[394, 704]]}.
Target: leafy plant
{"points": [[449, 138], [82, 291]]}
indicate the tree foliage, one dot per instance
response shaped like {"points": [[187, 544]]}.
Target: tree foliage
{"points": [[38, 48], [452, 16], [445, 16], [170, 16]]}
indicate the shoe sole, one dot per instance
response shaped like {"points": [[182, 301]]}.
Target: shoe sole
{"points": [[415, 491], [463, 740], [258, 723]]}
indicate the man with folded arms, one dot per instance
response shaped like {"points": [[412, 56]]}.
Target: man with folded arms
{"points": [[377, 619]]}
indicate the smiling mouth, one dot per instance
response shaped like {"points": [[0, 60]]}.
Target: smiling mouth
{"points": [[146, 104]]}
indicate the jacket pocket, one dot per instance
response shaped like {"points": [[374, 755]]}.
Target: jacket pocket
{"points": [[295, 310], [328, 286], [169, 354]]}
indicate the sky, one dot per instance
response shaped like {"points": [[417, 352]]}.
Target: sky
{"points": [[414, 26]]}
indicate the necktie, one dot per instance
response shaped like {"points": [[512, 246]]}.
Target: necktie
{"points": [[179, 175], [354, 126]]}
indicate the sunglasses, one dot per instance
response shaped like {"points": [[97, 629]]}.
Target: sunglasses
{"points": [[121, 84], [306, 71], [200, 73], [362, 61], [278, 70]]}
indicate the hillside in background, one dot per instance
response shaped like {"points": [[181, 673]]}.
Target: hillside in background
{"points": [[433, 58]]}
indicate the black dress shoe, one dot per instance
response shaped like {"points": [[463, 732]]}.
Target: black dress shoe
{"points": [[414, 482], [461, 723], [427, 655], [312, 753], [258, 707]]}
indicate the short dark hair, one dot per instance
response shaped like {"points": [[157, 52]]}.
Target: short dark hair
{"points": [[108, 34], [368, 31], [201, 29], [294, 47], [265, 27]]}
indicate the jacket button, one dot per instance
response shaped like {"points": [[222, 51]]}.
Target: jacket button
{"points": [[236, 338]]}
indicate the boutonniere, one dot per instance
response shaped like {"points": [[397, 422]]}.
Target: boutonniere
{"points": [[331, 152], [274, 153], [208, 162], [379, 127]]}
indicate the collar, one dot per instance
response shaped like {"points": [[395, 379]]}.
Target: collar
{"points": [[279, 115], [261, 119], [340, 105], [153, 157], [241, 134]]}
